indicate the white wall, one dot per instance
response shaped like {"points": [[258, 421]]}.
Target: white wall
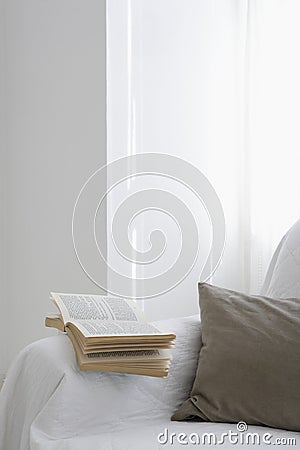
{"points": [[3, 201], [56, 137]]}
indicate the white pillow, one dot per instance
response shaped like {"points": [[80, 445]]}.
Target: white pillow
{"points": [[283, 276]]}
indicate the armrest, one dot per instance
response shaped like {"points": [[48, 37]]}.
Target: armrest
{"points": [[59, 398]]}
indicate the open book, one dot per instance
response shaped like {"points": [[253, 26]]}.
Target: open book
{"points": [[111, 334]]}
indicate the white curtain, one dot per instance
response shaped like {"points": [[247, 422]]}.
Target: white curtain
{"points": [[273, 132], [217, 84]]}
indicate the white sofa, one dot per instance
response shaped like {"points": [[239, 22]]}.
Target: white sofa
{"points": [[47, 403]]}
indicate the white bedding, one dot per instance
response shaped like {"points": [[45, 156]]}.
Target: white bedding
{"points": [[47, 403]]}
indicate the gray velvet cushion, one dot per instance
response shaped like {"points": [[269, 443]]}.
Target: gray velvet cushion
{"points": [[249, 362]]}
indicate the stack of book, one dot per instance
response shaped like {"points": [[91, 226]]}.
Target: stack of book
{"points": [[111, 334]]}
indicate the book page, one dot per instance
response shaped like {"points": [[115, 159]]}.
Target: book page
{"points": [[131, 355], [96, 307], [99, 328]]}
